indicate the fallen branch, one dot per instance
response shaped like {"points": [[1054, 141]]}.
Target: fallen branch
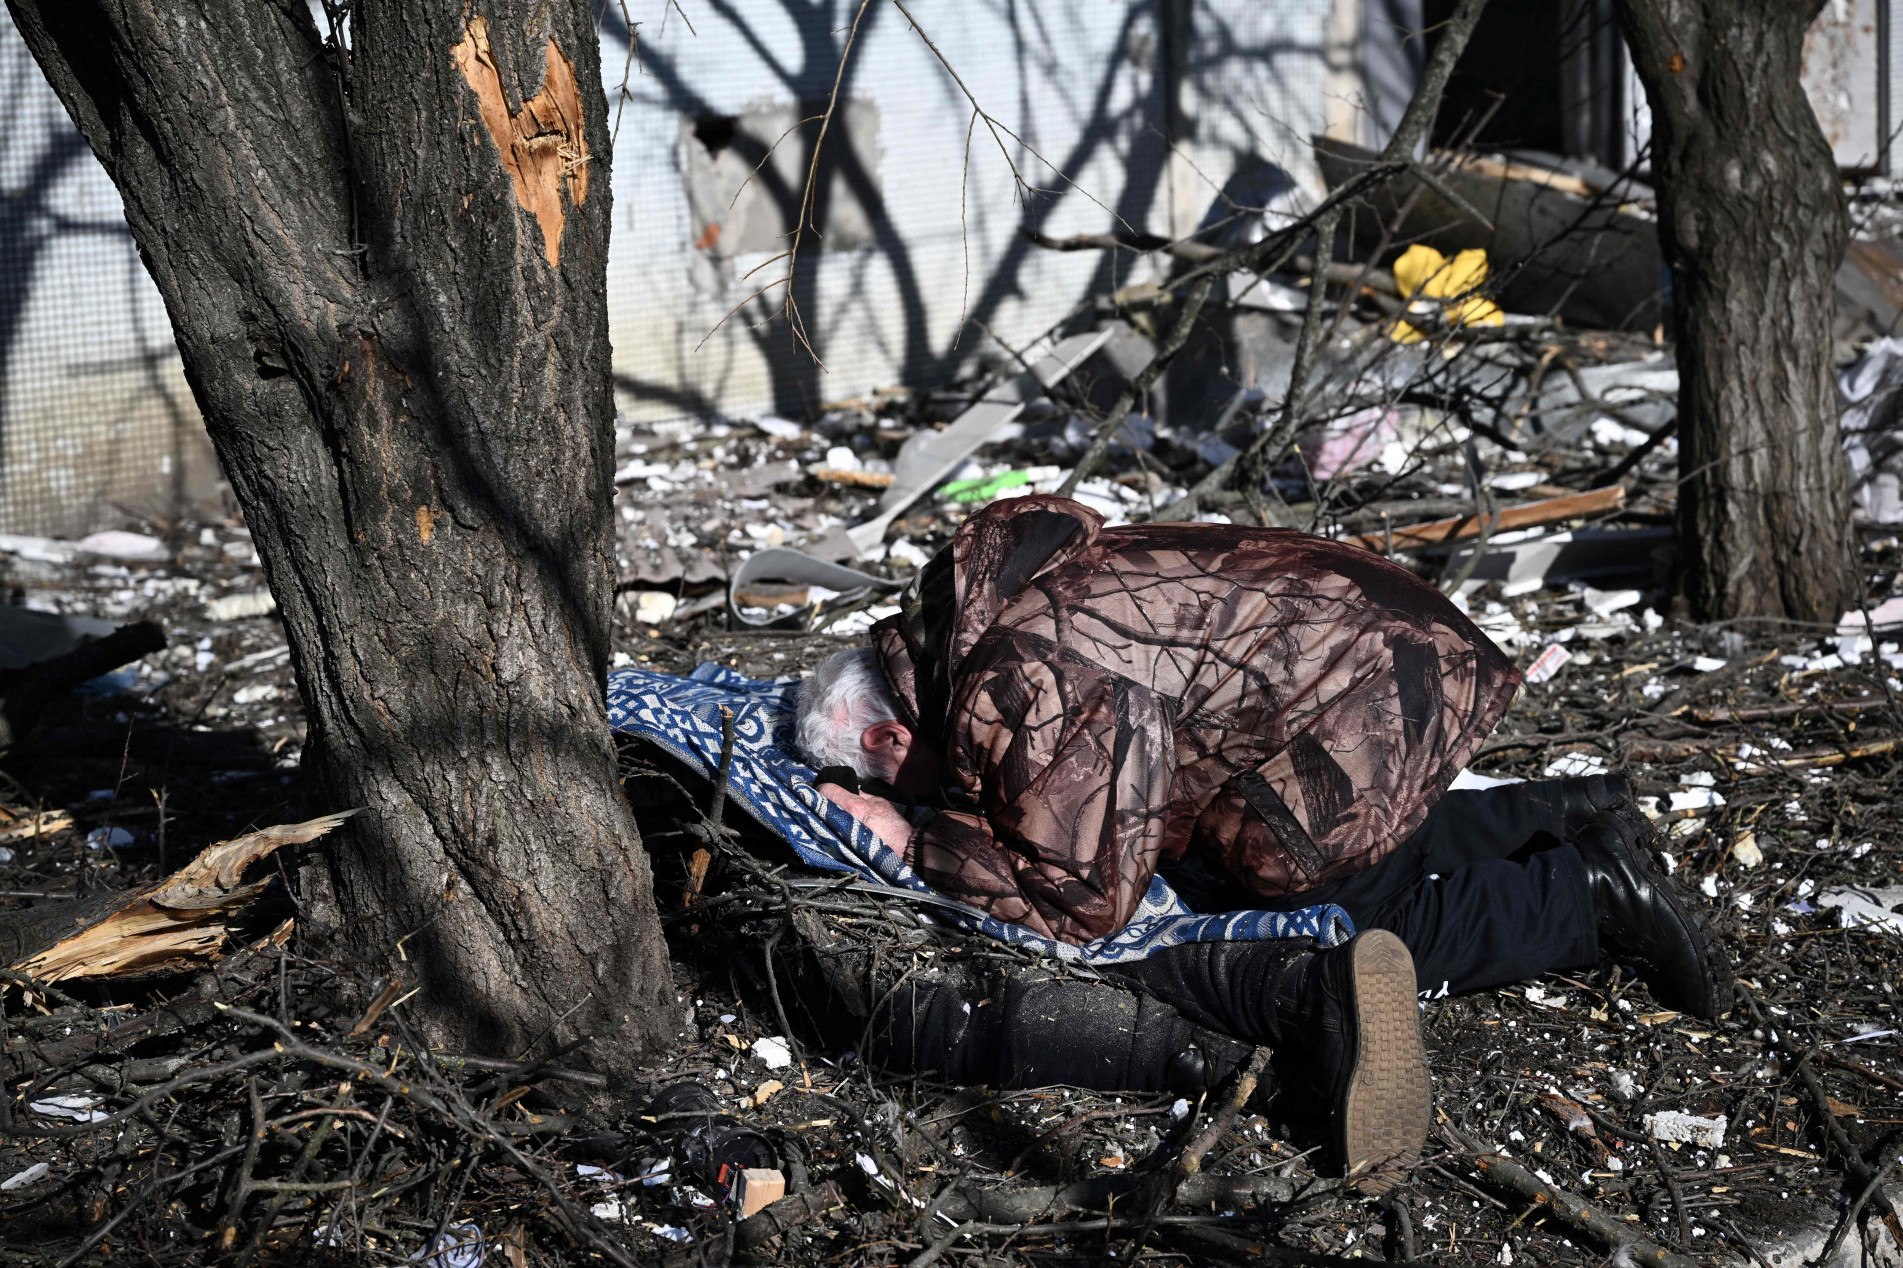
{"points": [[1527, 515], [1034, 1202], [763, 1226], [26, 692], [1803, 759], [1191, 1160], [1627, 1246], [1790, 709]]}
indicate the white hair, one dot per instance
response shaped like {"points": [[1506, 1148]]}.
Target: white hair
{"points": [[845, 695]]}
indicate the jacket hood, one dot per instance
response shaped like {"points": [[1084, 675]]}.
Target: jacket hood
{"points": [[994, 557]]}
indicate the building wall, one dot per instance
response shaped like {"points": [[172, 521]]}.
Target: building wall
{"points": [[1157, 115]]}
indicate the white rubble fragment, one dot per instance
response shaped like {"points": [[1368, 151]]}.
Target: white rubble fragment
{"points": [[1624, 1086], [1536, 994], [862, 620], [1746, 852], [673, 1232], [1708, 664], [1676, 1125], [40, 550], [256, 692], [1709, 887], [1575, 766], [257, 659], [1861, 908], [1698, 779], [1179, 1109], [1616, 435], [773, 1052], [1606, 602], [779, 428], [1653, 621], [654, 607], [71, 1105], [609, 1210], [840, 458], [117, 544], [108, 839], [600, 1175], [1696, 799], [238, 607], [904, 552], [20, 1179]]}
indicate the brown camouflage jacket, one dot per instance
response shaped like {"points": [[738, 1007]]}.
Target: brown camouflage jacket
{"points": [[1107, 698]]}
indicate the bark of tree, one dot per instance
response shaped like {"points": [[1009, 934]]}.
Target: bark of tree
{"points": [[1753, 225], [386, 274]]}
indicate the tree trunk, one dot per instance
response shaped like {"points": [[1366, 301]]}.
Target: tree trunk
{"points": [[1752, 223], [386, 273]]}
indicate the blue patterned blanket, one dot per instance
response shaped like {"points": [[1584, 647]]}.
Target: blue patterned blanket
{"points": [[767, 778]]}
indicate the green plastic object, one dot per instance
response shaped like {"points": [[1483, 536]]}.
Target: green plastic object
{"points": [[984, 488]]}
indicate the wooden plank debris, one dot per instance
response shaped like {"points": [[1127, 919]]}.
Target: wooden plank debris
{"points": [[183, 921], [1527, 515]]}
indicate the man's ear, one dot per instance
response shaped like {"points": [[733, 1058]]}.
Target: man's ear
{"points": [[888, 742]]}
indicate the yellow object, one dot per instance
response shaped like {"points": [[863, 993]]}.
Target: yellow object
{"points": [[1430, 280]]}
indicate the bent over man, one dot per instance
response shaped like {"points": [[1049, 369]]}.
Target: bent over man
{"points": [[1271, 719]]}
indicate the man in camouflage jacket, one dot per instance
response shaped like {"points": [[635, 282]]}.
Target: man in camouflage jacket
{"points": [[1270, 718]]}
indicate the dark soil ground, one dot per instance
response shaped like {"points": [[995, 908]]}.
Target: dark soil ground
{"points": [[286, 1128]]}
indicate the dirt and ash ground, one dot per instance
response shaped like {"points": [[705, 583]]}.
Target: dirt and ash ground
{"points": [[259, 1112]]}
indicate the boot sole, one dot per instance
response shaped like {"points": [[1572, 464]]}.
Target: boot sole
{"points": [[1384, 1114]]}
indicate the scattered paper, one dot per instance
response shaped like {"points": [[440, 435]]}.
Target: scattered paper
{"points": [[1550, 661], [1860, 908]]}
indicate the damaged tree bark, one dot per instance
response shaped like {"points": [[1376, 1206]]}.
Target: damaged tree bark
{"points": [[385, 268], [1753, 225]]}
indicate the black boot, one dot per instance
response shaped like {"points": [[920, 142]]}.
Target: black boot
{"points": [[1352, 1013], [1644, 918], [1581, 798]]}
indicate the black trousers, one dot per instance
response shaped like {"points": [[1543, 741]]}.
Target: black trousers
{"points": [[1485, 892]]}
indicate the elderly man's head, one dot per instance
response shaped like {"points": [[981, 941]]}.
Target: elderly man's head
{"points": [[848, 717]]}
